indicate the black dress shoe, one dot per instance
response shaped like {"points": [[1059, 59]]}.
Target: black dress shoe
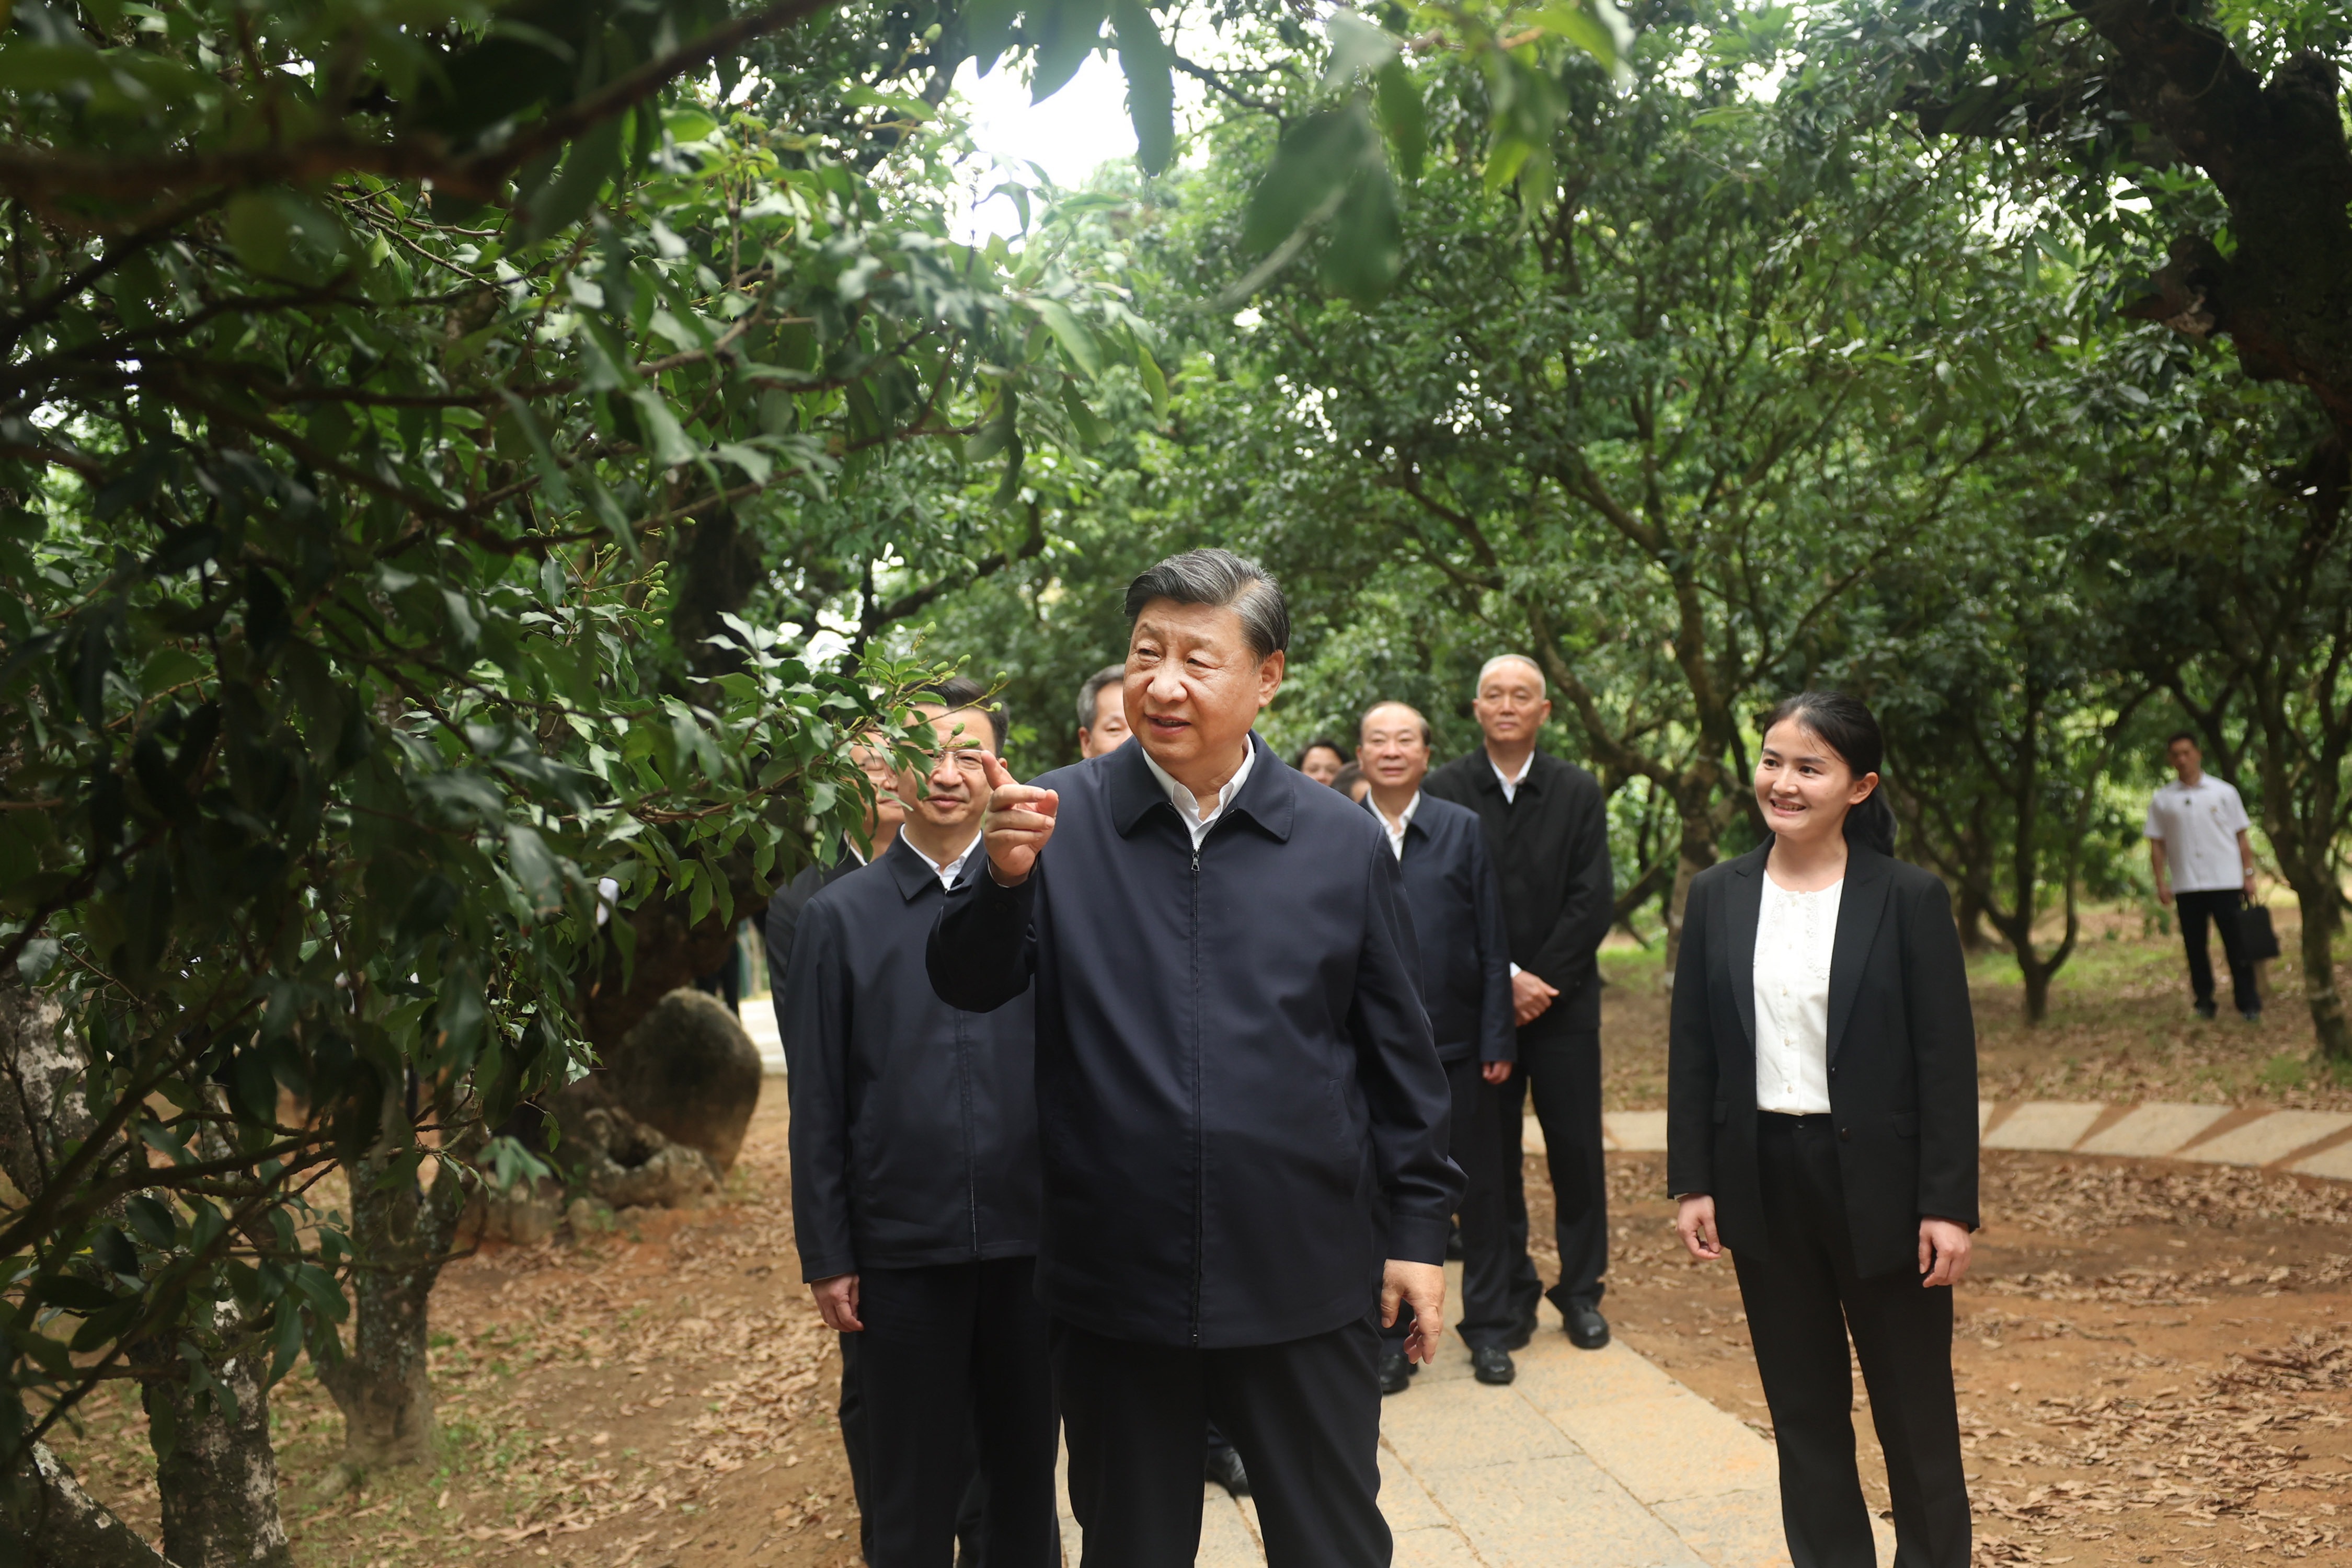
{"points": [[1491, 1364], [1587, 1329], [1396, 1372], [1522, 1333], [1225, 1469]]}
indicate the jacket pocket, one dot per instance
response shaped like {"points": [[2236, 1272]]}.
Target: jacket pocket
{"points": [[1906, 1124]]}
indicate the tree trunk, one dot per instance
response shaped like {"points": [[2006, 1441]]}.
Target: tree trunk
{"points": [[47, 1518], [1970, 912], [2322, 915], [218, 1471], [2038, 975], [401, 1233]]}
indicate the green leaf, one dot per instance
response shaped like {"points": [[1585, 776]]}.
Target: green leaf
{"points": [[1357, 46], [1503, 162], [542, 456], [1403, 116], [1309, 172], [1596, 26], [1144, 58], [1153, 382], [1076, 339], [1366, 248], [1064, 37], [535, 868], [1092, 430], [169, 667], [563, 200], [988, 29], [688, 124], [663, 433]]}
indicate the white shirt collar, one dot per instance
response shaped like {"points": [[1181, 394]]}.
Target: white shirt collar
{"points": [[946, 873], [1188, 805], [1404, 819], [1511, 781]]}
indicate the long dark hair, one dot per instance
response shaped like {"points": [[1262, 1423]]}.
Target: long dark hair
{"points": [[1848, 727]]}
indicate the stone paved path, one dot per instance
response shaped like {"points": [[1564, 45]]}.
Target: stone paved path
{"points": [[2310, 1142], [1589, 1458], [1605, 1459]]}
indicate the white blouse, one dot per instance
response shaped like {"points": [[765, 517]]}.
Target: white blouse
{"points": [[1794, 934]]}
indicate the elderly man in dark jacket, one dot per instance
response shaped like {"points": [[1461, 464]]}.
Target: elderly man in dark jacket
{"points": [[1548, 824], [1466, 984], [915, 1184], [1241, 1109]]}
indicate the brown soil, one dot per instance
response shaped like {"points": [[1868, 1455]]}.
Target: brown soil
{"points": [[2153, 1360], [658, 1395]]}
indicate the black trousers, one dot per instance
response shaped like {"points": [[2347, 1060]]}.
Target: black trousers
{"points": [[952, 1360], [971, 1513], [1803, 1299], [2219, 906], [1562, 1071], [1305, 1413], [1487, 1256]]}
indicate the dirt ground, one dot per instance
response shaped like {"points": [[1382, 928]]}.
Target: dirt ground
{"points": [[2155, 1360]]}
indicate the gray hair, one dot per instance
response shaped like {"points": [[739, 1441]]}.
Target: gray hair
{"points": [[1490, 667], [1228, 582], [1090, 694], [1426, 736], [960, 692]]}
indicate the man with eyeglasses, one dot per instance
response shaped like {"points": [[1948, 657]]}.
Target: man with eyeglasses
{"points": [[1547, 825], [916, 1192]]}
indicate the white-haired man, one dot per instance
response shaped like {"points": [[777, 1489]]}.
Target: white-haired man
{"points": [[1546, 822]]}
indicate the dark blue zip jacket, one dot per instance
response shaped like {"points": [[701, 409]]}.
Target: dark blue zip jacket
{"points": [[914, 1131], [1457, 916], [1240, 1108]]}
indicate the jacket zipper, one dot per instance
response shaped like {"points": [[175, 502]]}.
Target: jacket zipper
{"points": [[1200, 1114]]}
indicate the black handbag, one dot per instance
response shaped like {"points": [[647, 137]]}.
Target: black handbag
{"points": [[2256, 934]]}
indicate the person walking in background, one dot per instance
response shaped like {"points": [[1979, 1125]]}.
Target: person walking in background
{"points": [[915, 1191], [1547, 826], [780, 921], [1321, 761], [1241, 1107], [1466, 985], [2197, 837], [1821, 1123], [1102, 712], [1350, 781]]}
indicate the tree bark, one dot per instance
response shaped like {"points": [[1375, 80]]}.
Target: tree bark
{"points": [[401, 1235], [217, 1470], [47, 1518]]}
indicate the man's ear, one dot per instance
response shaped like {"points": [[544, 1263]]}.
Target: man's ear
{"points": [[1269, 677]]}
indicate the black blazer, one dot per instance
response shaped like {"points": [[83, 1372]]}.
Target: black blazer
{"points": [[780, 921], [1551, 844], [1237, 1093], [914, 1129], [1903, 1057], [1457, 921]]}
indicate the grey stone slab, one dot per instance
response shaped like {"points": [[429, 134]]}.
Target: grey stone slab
{"points": [[2045, 1125], [1541, 1513], [1732, 1528], [1436, 1429], [1228, 1532], [2336, 1163], [1985, 1108], [2268, 1138], [2153, 1130], [1634, 1131], [1554, 1375], [1405, 1503], [1669, 1449], [1432, 1548]]}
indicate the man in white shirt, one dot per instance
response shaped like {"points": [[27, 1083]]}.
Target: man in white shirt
{"points": [[2205, 867]]}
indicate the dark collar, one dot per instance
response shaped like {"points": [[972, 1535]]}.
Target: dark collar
{"points": [[1268, 795], [1483, 775], [913, 872], [1410, 828]]}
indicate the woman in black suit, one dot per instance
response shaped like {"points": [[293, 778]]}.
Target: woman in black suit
{"points": [[1822, 1125]]}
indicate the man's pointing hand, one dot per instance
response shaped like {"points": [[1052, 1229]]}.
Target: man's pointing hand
{"points": [[1020, 819]]}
